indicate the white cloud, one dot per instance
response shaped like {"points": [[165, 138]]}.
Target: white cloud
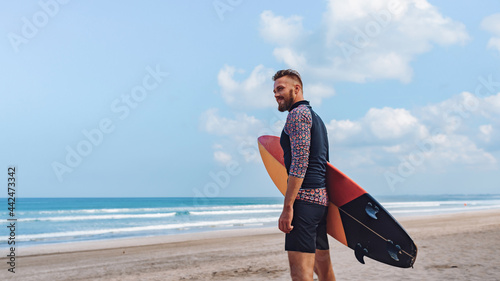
{"points": [[280, 30], [389, 123], [379, 125], [375, 140], [392, 149], [491, 104], [459, 149], [212, 123], [222, 157], [492, 24], [239, 134], [290, 58], [452, 114], [445, 134], [494, 43], [256, 91], [362, 40], [342, 131], [486, 131], [315, 93]]}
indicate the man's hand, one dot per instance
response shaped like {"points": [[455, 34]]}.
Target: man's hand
{"points": [[293, 186], [285, 221]]}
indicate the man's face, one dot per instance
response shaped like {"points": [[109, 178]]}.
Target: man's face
{"points": [[284, 93]]}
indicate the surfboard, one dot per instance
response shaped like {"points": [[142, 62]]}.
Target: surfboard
{"points": [[355, 218]]}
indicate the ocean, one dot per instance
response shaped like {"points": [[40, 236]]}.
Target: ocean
{"points": [[59, 220]]}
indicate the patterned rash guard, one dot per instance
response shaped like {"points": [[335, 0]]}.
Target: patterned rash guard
{"points": [[298, 129]]}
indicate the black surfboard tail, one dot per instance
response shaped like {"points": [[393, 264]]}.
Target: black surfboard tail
{"points": [[372, 232]]}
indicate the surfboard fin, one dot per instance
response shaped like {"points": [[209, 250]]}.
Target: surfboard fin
{"points": [[371, 210], [360, 252], [393, 250]]}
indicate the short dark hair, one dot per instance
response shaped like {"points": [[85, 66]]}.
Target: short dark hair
{"points": [[294, 74]]}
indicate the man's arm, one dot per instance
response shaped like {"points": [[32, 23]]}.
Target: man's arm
{"points": [[298, 127], [293, 186]]}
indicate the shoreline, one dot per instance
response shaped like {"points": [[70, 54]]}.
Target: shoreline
{"points": [[458, 246], [104, 244]]}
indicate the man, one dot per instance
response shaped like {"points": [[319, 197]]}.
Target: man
{"points": [[305, 145]]}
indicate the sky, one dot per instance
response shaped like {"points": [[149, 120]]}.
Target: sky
{"points": [[167, 98]]}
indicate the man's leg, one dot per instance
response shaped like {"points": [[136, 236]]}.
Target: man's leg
{"points": [[323, 266], [301, 265]]}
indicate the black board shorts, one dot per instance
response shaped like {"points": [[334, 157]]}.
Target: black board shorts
{"points": [[309, 228]]}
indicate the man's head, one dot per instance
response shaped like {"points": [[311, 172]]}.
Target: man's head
{"points": [[287, 88]]}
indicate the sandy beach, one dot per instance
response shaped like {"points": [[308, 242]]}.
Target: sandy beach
{"points": [[461, 246]]}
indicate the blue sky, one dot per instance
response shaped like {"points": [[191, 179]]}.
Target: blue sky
{"points": [[167, 98]]}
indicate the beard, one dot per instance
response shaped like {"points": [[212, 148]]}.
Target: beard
{"points": [[288, 102]]}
